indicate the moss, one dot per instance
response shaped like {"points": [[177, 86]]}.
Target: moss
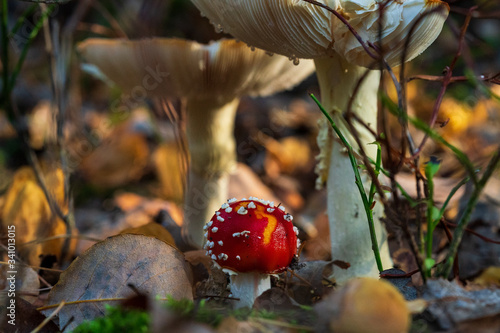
{"points": [[117, 320]]}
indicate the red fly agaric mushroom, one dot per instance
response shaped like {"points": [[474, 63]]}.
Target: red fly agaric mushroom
{"points": [[251, 239], [210, 79], [299, 29]]}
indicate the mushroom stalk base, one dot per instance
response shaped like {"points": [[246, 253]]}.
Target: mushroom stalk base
{"points": [[247, 287], [349, 229], [211, 142]]}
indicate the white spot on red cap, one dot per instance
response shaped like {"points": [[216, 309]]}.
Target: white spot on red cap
{"points": [[296, 230], [221, 243], [219, 218], [251, 205], [288, 217], [228, 210], [232, 200], [237, 234], [223, 256], [209, 224], [270, 210], [213, 257], [242, 210], [238, 257], [215, 229], [224, 205], [282, 208]]}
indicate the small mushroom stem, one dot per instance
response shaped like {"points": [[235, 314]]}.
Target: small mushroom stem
{"points": [[248, 286], [211, 143], [349, 229]]}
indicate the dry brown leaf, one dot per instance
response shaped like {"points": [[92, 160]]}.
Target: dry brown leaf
{"points": [[277, 301], [308, 282], [289, 155], [450, 305], [108, 268], [120, 159], [133, 204], [489, 277], [27, 319], [27, 283], [152, 229], [197, 257], [27, 208]]}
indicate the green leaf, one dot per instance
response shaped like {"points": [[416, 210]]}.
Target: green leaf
{"points": [[432, 167], [429, 263]]}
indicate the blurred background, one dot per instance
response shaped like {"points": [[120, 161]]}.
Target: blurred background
{"points": [[122, 166]]}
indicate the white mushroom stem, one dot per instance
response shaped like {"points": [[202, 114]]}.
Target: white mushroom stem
{"points": [[210, 126], [349, 231], [247, 287]]}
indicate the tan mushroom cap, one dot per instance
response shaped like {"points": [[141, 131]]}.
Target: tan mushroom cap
{"points": [[296, 28], [224, 69]]}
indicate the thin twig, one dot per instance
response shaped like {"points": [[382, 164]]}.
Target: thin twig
{"points": [[438, 78], [49, 318], [47, 307], [34, 267], [446, 81]]}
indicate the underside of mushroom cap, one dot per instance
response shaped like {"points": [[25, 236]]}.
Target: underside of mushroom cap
{"points": [[296, 28], [164, 67], [398, 19]]}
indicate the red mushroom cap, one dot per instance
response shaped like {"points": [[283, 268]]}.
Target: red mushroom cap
{"points": [[251, 236]]}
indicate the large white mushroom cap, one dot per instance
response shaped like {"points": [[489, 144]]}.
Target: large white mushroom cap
{"points": [[170, 67], [296, 28]]}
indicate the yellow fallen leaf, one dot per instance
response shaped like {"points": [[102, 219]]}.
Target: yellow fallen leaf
{"points": [[27, 209], [489, 277], [152, 229]]}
